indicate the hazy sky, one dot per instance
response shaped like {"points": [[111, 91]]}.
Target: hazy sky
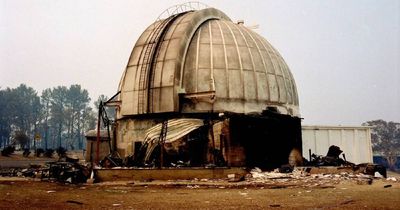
{"points": [[344, 55]]}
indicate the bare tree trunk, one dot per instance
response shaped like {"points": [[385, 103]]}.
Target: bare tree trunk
{"points": [[391, 159], [79, 132], [59, 135], [72, 129], [46, 135]]}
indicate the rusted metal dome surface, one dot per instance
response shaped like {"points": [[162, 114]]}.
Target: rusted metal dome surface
{"points": [[200, 61]]}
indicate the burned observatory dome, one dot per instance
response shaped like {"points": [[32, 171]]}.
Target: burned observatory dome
{"points": [[201, 89], [200, 61]]}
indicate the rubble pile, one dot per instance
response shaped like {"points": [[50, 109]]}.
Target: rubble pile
{"points": [[301, 178], [10, 172], [66, 170]]}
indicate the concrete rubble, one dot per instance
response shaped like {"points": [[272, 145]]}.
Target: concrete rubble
{"points": [[299, 177], [321, 171], [256, 178]]}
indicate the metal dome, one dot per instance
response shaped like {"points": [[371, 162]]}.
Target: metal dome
{"points": [[200, 61]]}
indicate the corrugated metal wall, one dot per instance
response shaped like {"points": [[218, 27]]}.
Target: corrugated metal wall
{"points": [[354, 141]]}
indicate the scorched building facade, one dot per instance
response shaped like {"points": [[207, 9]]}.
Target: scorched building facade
{"points": [[200, 89]]}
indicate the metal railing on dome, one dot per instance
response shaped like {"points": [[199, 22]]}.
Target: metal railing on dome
{"points": [[180, 8]]}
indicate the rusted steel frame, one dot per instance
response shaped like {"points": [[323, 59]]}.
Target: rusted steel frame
{"points": [[111, 102], [98, 135], [163, 136], [213, 141]]}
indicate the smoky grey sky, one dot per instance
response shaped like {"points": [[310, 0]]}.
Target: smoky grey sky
{"points": [[344, 55]]}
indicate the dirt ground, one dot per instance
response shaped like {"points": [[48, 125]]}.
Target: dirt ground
{"points": [[20, 193], [25, 193]]}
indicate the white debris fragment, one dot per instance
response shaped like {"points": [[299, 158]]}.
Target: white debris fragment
{"points": [[391, 179], [256, 169], [268, 175], [231, 176], [378, 175], [297, 173], [365, 176], [51, 191], [300, 176], [315, 176], [193, 186]]}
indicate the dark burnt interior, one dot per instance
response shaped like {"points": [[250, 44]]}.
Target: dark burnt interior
{"points": [[255, 140], [267, 139]]}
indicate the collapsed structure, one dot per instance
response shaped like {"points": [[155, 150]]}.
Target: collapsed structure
{"points": [[200, 89]]}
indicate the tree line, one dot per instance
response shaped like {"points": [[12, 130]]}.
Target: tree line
{"points": [[58, 117]]}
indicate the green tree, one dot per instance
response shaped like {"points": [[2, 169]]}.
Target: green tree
{"points": [[58, 112], [77, 102], [5, 117], [61, 115], [385, 139], [25, 108], [88, 121], [21, 138], [46, 102], [67, 115]]}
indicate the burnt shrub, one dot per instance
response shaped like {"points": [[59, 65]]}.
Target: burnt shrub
{"points": [[62, 152], [49, 153], [7, 151], [39, 152], [26, 152]]}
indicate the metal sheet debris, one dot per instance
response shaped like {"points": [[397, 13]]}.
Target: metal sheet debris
{"points": [[177, 128]]}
